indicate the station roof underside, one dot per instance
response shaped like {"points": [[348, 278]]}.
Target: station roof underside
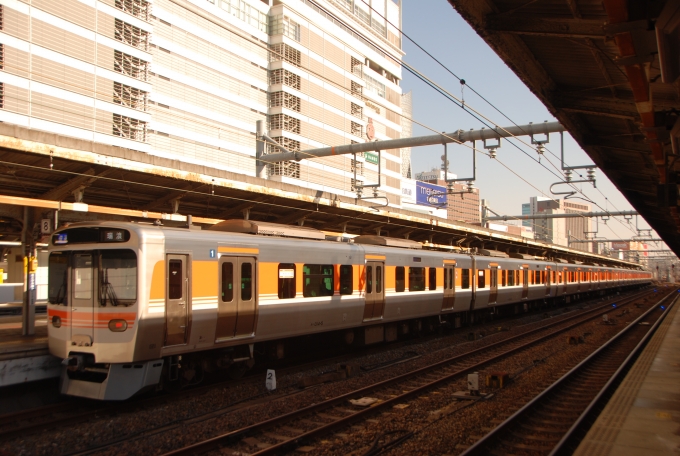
{"points": [[608, 71], [45, 172]]}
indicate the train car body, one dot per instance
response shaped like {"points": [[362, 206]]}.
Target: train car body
{"points": [[132, 305]]}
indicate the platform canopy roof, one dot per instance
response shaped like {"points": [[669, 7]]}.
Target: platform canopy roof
{"points": [[609, 71]]}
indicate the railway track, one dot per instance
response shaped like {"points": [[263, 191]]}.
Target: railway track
{"points": [[288, 431], [76, 410], [554, 422]]}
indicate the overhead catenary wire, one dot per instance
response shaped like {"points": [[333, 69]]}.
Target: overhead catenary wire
{"points": [[463, 82]]}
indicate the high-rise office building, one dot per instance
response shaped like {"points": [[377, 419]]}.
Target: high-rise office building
{"points": [[461, 207], [188, 79], [561, 231]]}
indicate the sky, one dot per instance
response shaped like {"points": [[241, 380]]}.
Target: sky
{"points": [[440, 30]]}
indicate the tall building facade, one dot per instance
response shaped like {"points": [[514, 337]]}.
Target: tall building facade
{"points": [[561, 231], [462, 207], [188, 79]]}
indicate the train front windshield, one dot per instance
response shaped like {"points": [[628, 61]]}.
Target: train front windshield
{"points": [[108, 275]]}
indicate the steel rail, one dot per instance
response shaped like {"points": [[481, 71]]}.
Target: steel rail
{"points": [[237, 434], [610, 386], [481, 447]]}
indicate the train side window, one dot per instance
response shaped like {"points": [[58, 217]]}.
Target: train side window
{"points": [[416, 279], [287, 281], [175, 279], [369, 279], [503, 277], [511, 278], [57, 274], [317, 280], [432, 278], [246, 281], [227, 280], [346, 279], [465, 279], [481, 279], [400, 279]]}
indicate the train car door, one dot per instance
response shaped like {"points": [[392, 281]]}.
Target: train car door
{"points": [[177, 301], [493, 283], [449, 300], [525, 281], [548, 282], [82, 298], [237, 303], [578, 279], [375, 290]]}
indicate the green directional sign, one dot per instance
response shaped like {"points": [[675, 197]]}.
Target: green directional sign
{"points": [[371, 158]]}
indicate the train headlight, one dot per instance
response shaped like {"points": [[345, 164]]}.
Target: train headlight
{"points": [[118, 325], [56, 321]]}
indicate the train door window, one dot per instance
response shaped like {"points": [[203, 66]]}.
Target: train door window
{"points": [[346, 279], [57, 278], [227, 286], [481, 279], [117, 277], [317, 280], [452, 278], [176, 278], [369, 279], [287, 288], [246, 281], [416, 279], [400, 279], [504, 274], [465, 279], [378, 279], [82, 276], [447, 279], [432, 278]]}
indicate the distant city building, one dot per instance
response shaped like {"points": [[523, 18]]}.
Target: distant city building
{"points": [[460, 208], [406, 132], [526, 210], [561, 231]]}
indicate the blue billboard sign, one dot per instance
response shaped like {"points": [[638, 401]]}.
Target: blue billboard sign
{"points": [[430, 194]]}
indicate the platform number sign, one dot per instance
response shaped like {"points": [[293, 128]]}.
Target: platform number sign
{"points": [[45, 226]]}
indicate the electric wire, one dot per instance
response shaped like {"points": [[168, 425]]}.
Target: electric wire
{"points": [[463, 82]]}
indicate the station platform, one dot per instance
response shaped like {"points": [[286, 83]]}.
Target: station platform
{"points": [[643, 416], [25, 359]]}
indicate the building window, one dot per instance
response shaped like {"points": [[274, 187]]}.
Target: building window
{"points": [[283, 25], [130, 66], [400, 279], [375, 86], [284, 100], [356, 89], [2, 55], [416, 279], [432, 279], [127, 127], [346, 279], [356, 129], [357, 66], [286, 281], [285, 77], [137, 8], [284, 122], [282, 51], [129, 96], [246, 13], [357, 111], [131, 35]]}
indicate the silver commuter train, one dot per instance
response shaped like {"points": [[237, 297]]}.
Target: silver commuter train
{"points": [[134, 306]]}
